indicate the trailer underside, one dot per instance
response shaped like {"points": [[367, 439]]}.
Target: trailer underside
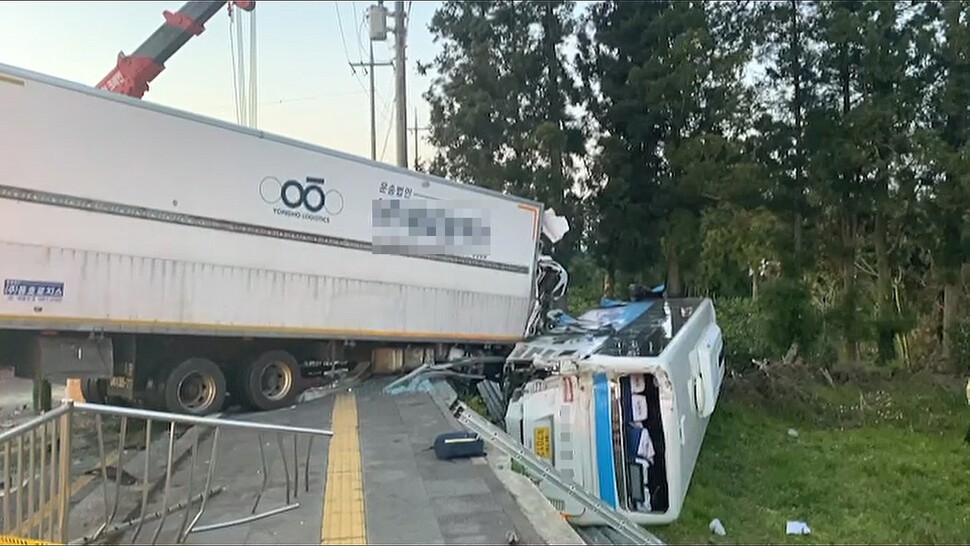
{"points": [[201, 374]]}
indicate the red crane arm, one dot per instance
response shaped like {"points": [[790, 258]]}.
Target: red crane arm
{"points": [[134, 72]]}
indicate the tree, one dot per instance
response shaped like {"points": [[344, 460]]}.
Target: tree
{"points": [[945, 151], [664, 92], [500, 100]]}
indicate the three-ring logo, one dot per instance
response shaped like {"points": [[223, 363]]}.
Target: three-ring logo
{"points": [[309, 196]]}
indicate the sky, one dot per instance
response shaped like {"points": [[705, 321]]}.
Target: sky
{"points": [[306, 90]]}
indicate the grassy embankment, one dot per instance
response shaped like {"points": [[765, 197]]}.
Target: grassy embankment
{"points": [[875, 460]]}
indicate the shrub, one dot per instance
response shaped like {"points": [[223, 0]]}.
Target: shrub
{"points": [[743, 327], [960, 346]]}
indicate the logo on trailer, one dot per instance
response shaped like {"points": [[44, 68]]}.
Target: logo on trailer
{"points": [[307, 200], [27, 290]]}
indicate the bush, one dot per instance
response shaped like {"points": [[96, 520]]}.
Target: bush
{"points": [[743, 327], [960, 346], [789, 316]]}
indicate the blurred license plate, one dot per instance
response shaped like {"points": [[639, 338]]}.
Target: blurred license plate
{"points": [[542, 442]]}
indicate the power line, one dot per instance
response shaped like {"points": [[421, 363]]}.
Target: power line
{"points": [[232, 64], [414, 129], [360, 45], [343, 40], [387, 136], [340, 25]]}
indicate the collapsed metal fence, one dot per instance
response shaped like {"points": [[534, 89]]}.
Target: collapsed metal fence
{"points": [[39, 489]]}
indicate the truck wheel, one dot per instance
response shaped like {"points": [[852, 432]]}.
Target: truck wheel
{"points": [[196, 387], [270, 381], [95, 391]]}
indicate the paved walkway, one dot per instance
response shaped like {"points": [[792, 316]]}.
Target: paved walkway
{"points": [[411, 497], [376, 481], [238, 468]]}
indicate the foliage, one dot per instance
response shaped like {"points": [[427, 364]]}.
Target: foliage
{"points": [[499, 102], [697, 142], [961, 345], [743, 328], [804, 163]]}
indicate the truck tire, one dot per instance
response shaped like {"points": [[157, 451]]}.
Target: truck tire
{"points": [[197, 386], [270, 381], [95, 391]]}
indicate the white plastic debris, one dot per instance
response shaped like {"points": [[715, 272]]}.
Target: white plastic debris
{"points": [[793, 433], [797, 528], [553, 226], [717, 527]]}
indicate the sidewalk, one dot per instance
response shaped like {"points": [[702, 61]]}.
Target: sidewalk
{"points": [[238, 468], [411, 497]]}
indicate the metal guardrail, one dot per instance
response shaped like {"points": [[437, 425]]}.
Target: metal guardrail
{"points": [[41, 465], [497, 437], [37, 486]]}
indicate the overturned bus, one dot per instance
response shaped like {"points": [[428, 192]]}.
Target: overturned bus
{"points": [[618, 400]]}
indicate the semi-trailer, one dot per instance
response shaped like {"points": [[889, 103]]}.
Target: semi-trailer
{"points": [[173, 260]]}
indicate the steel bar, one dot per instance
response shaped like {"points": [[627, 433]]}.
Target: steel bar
{"points": [[246, 519], [194, 420]]}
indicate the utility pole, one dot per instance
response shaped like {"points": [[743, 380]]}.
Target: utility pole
{"points": [[373, 121], [377, 17], [415, 130], [400, 69]]}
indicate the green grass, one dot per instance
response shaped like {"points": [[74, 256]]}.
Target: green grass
{"points": [[882, 464]]}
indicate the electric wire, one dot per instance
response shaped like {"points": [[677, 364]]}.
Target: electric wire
{"points": [[232, 64], [360, 44], [253, 82], [387, 136], [242, 73], [343, 40]]}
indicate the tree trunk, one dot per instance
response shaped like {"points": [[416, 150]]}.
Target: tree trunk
{"points": [[796, 107], [609, 281], [554, 99], [884, 280], [674, 287], [951, 304], [848, 288], [849, 222], [952, 296]]}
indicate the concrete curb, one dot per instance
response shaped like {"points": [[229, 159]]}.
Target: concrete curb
{"points": [[546, 521], [536, 507]]}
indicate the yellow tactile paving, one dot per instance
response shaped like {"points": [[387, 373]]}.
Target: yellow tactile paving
{"points": [[343, 500], [10, 539]]}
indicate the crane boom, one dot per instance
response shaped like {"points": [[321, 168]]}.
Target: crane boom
{"points": [[132, 74]]}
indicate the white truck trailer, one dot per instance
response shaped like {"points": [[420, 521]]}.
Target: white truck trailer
{"points": [[169, 258]]}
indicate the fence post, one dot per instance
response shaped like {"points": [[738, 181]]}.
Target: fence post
{"points": [[64, 472]]}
